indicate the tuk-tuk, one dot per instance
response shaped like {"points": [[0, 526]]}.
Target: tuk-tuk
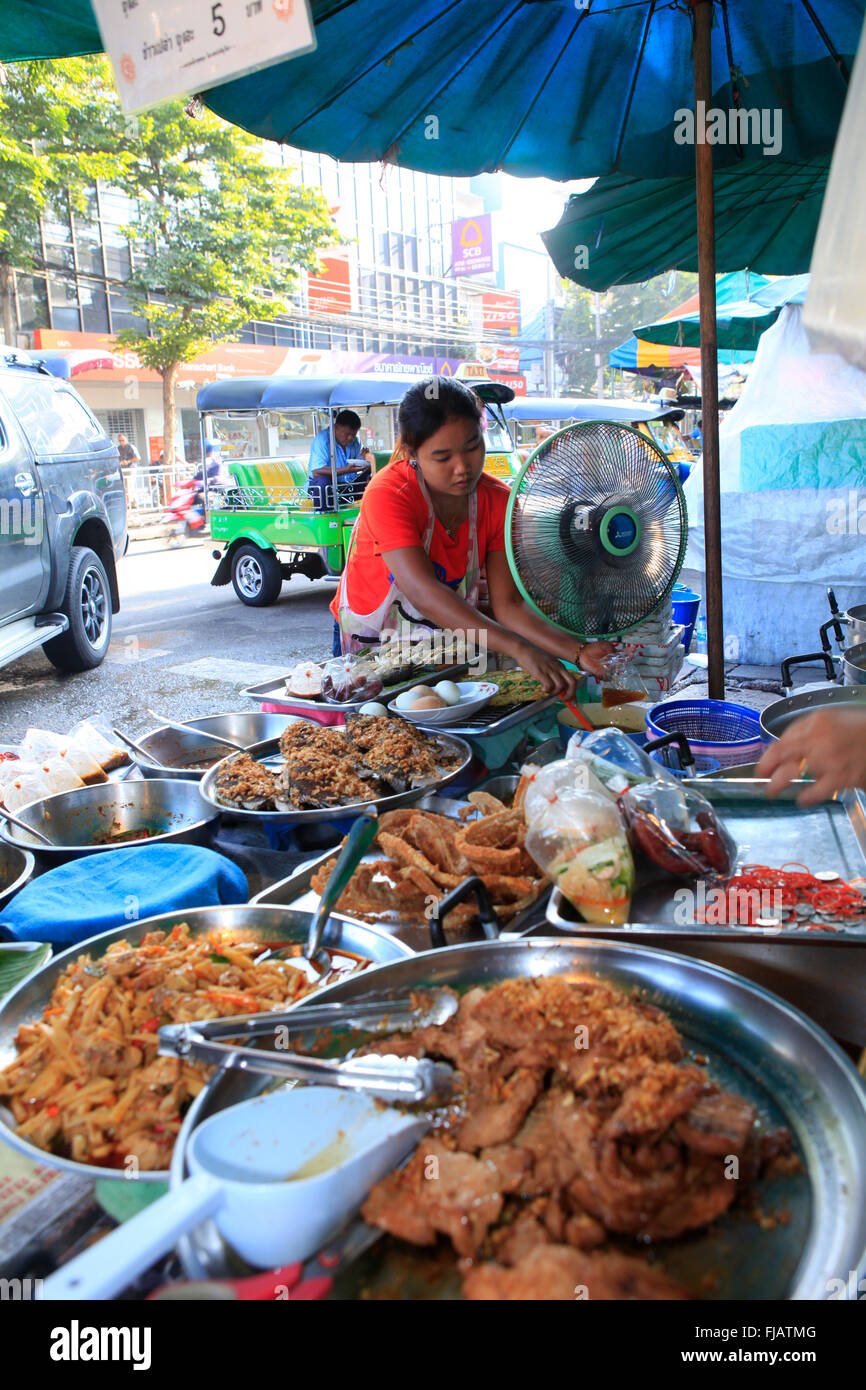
{"points": [[528, 416], [271, 523]]}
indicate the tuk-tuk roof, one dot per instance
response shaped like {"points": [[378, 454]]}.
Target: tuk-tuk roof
{"points": [[321, 392], [563, 408]]}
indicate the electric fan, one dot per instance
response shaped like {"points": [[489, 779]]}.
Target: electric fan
{"points": [[596, 529]]}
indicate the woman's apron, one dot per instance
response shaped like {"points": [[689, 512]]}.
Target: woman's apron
{"points": [[395, 619]]}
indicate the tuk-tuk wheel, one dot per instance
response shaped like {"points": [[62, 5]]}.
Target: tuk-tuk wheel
{"points": [[256, 576]]}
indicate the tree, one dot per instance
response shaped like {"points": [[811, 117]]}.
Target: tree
{"points": [[52, 149], [623, 308], [218, 240]]}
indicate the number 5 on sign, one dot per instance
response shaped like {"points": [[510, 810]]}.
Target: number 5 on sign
{"points": [[161, 49]]}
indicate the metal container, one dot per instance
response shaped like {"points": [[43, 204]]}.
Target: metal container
{"points": [[176, 751], [268, 753], [776, 717], [172, 812], [16, 869], [853, 619], [266, 924], [754, 1043], [854, 664]]}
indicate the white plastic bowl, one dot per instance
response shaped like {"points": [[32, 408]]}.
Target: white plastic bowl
{"points": [[473, 697]]}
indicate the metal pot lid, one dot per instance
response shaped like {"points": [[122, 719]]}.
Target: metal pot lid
{"points": [[776, 717], [754, 1043]]}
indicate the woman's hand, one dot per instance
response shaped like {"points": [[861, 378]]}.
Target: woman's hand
{"points": [[554, 677], [830, 744], [593, 656]]}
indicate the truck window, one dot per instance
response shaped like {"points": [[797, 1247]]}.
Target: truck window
{"points": [[54, 420]]}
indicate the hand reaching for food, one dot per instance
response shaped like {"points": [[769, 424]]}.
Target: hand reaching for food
{"points": [[829, 746]]}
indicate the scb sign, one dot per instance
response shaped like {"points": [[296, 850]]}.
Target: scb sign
{"points": [[472, 245]]}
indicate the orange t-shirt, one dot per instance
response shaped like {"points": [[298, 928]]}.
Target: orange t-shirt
{"points": [[394, 515]]}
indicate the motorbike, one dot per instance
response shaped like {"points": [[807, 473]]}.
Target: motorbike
{"points": [[184, 511]]}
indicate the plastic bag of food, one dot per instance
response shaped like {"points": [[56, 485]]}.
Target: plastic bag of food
{"points": [[612, 748], [620, 681], [678, 830], [578, 839], [348, 679], [305, 680]]}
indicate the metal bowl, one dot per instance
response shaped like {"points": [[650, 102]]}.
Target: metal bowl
{"points": [[175, 751], [173, 812], [753, 1042], [16, 869], [450, 743], [26, 1003]]}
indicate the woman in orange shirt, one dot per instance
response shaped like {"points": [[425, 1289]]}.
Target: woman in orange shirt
{"points": [[428, 525]]}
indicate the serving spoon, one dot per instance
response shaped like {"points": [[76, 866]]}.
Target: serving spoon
{"points": [[187, 729], [31, 830], [137, 749]]}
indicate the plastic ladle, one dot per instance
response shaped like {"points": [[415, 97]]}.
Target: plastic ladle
{"points": [[279, 1175]]}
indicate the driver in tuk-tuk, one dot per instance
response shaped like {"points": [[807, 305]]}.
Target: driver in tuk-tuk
{"points": [[348, 450]]}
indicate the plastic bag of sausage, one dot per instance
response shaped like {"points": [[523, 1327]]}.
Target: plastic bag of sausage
{"points": [[678, 830]]}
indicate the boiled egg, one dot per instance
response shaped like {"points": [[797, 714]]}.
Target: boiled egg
{"points": [[372, 707], [447, 691], [430, 701], [408, 698]]}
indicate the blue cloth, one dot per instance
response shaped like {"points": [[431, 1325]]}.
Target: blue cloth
{"points": [[320, 455], [101, 891]]}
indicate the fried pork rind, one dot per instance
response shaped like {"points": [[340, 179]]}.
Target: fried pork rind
{"points": [[495, 844], [424, 862]]}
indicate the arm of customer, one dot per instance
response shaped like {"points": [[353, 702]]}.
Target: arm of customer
{"points": [[830, 744]]}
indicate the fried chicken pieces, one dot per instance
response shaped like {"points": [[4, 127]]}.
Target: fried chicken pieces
{"points": [[428, 855], [580, 1119], [371, 758]]}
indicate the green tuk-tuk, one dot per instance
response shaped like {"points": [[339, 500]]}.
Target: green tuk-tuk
{"points": [[269, 520]]}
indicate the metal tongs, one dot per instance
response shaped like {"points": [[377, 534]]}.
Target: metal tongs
{"points": [[389, 1078]]}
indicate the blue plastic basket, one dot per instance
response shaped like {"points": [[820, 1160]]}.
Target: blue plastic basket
{"points": [[714, 728]]}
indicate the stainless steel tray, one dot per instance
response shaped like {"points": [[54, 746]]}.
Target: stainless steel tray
{"points": [[249, 923], [829, 836], [268, 753], [274, 691], [490, 721], [749, 1040], [295, 891]]}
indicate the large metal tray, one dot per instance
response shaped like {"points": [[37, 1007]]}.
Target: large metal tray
{"points": [[492, 720], [268, 753], [829, 836], [827, 984], [249, 923], [295, 891], [275, 692], [749, 1040]]}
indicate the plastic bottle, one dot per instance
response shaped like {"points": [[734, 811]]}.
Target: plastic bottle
{"points": [[700, 642]]}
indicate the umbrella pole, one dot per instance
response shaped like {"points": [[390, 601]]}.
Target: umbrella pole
{"points": [[703, 11]]}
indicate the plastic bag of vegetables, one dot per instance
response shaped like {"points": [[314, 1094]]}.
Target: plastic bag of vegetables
{"points": [[577, 838], [678, 830]]}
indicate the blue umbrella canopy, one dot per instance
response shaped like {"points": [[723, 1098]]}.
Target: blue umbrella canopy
{"points": [[553, 88]]}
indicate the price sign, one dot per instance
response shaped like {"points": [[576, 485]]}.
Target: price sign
{"points": [[168, 48]]}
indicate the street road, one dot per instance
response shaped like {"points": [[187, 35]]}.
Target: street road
{"points": [[178, 646]]}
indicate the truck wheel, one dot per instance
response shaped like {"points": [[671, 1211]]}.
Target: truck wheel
{"points": [[256, 575], [87, 605]]}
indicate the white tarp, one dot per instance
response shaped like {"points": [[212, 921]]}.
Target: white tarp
{"points": [[793, 496]]}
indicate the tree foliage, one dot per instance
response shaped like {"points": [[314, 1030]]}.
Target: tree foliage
{"points": [[623, 308]]}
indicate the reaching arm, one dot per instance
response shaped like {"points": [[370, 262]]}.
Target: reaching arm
{"points": [[415, 578], [510, 610]]}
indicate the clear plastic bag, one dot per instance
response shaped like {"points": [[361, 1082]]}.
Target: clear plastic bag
{"points": [[620, 681], [349, 679], [614, 748], [678, 830], [577, 838]]}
